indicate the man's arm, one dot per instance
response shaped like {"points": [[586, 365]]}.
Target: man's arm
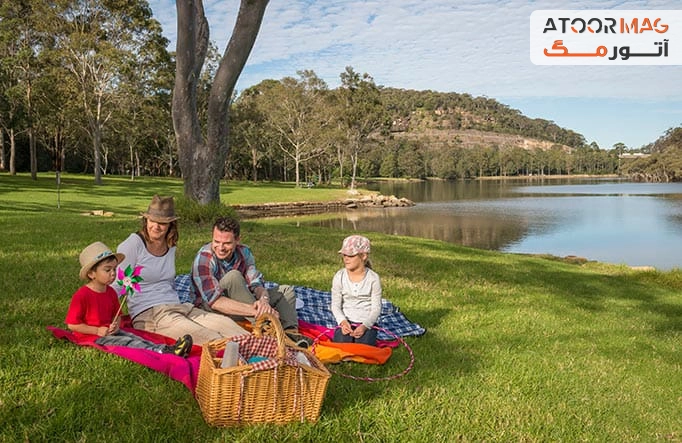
{"points": [[204, 282], [256, 282], [254, 278], [207, 286], [228, 306]]}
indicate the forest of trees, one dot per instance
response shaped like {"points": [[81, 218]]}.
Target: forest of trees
{"points": [[86, 86]]}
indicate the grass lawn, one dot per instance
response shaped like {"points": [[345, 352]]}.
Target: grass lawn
{"points": [[518, 348]]}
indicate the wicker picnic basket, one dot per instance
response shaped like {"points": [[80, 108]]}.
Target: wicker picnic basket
{"points": [[278, 389]]}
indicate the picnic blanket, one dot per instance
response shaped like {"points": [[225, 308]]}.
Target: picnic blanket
{"points": [[315, 320], [184, 370], [314, 307]]}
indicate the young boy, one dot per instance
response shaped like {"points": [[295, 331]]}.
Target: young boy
{"points": [[94, 305]]}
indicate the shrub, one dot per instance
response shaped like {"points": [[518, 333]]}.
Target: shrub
{"points": [[191, 211]]}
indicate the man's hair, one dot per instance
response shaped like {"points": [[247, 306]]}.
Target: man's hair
{"points": [[227, 224]]}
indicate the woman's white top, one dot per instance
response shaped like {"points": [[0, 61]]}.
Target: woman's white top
{"points": [[158, 275]]}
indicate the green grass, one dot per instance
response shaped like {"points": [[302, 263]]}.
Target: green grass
{"points": [[518, 348]]}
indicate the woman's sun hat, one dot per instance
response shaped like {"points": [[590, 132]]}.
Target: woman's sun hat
{"points": [[160, 210], [354, 245], [93, 254]]}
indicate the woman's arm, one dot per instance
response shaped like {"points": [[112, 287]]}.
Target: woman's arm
{"points": [[337, 298]]}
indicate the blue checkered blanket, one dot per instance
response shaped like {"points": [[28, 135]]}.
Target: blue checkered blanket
{"points": [[316, 309]]}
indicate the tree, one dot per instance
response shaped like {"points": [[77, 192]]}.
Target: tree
{"points": [[619, 147], [362, 113], [202, 160], [295, 110], [104, 46], [19, 40], [142, 121], [248, 129]]}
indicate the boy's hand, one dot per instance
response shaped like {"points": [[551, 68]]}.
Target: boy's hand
{"points": [[114, 326]]}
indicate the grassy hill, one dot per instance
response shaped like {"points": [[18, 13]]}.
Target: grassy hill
{"points": [[438, 117]]}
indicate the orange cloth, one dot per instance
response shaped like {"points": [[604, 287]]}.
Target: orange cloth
{"points": [[331, 352]]}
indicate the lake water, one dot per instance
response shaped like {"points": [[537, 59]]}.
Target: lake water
{"points": [[638, 224]]}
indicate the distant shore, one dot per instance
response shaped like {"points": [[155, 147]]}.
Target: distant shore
{"points": [[499, 177], [546, 177]]}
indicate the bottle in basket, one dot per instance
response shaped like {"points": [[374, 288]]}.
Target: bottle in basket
{"points": [[231, 355], [301, 358]]}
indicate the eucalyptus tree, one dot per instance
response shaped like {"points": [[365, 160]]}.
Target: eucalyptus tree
{"points": [[296, 112], [20, 40], [10, 113], [202, 159], [248, 130], [101, 45], [443, 161], [143, 118], [362, 113], [58, 122]]}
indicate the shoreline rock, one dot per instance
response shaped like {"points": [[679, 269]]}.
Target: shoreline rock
{"points": [[306, 208]]}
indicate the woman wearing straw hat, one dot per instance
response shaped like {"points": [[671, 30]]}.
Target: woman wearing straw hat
{"points": [[157, 308]]}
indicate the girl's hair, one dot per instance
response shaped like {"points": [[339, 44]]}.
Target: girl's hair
{"points": [[171, 236]]}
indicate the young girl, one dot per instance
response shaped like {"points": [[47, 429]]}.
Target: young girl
{"points": [[93, 306], [356, 294]]}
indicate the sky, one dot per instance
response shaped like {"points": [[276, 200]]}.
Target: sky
{"points": [[478, 47]]}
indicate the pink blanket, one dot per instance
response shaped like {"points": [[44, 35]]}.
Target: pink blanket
{"points": [[184, 370]]}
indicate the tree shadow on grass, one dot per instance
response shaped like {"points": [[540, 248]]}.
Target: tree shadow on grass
{"points": [[490, 278]]}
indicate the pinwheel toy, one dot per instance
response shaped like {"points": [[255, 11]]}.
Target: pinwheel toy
{"points": [[129, 280]]}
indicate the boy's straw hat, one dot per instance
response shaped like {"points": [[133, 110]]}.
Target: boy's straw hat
{"points": [[93, 254]]}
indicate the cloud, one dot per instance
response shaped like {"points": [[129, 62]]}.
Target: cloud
{"points": [[479, 47]]}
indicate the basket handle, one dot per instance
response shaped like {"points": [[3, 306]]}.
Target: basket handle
{"points": [[276, 327]]}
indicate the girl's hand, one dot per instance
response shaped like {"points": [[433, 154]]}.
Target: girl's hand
{"points": [[345, 327], [102, 331], [359, 331]]}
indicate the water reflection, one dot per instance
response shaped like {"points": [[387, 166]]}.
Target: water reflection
{"points": [[638, 224], [439, 222]]}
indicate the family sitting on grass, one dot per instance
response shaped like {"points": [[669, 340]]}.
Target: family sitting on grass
{"points": [[227, 288]]}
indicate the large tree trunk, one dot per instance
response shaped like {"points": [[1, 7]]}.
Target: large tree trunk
{"points": [[202, 162]]}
